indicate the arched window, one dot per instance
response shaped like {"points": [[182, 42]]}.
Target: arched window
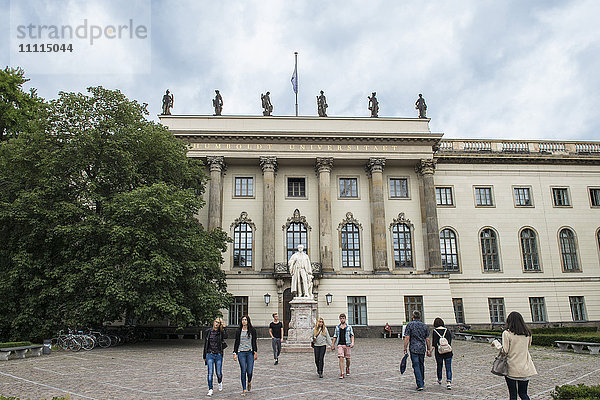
{"points": [[243, 235], [402, 245], [449, 250], [296, 234], [350, 236], [531, 260], [489, 250], [568, 250]]}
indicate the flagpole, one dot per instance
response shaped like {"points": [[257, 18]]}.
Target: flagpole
{"points": [[296, 69]]}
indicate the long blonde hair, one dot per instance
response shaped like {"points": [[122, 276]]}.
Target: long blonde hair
{"points": [[318, 330]]}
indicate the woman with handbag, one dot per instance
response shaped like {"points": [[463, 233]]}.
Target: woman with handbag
{"points": [[214, 343], [516, 340], [320, 341], [441, 339], [244, 351]]}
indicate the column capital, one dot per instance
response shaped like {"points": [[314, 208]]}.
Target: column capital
{"points": [[216, 163], [324, 164], [268, 163], [375, 164], [426, 166]]}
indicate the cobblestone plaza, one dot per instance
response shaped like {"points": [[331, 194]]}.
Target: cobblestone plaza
{"points": [[175, 370]]}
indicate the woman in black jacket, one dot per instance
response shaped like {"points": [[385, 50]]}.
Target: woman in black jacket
{"points": [[439, 332], [214, 343], [244, 351]]}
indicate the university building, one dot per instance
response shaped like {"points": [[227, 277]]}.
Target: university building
{"points": [[395, 218]]}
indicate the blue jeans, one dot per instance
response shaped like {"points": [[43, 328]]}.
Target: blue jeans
{"points": [[212, 360], [440, 364], [246, 360], [418, 363]]}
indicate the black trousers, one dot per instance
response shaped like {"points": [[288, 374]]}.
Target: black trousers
{"points": [[517, 387], [320, 357]]}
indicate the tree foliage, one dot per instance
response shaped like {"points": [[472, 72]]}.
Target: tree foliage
{"points": [[18, 109], [97, 222]]}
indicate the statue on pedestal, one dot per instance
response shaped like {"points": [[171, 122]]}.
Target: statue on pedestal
{"points": [[167, 103], [218, 103], [373, 105], [301, 271], [322, 105], [421, 106], [266, 104]]}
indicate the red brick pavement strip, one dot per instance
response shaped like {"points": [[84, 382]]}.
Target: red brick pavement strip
{"points": [[175, 370]]}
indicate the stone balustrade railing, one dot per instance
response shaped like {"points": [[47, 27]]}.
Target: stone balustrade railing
{"points": [[282, 269], [518, 146]]}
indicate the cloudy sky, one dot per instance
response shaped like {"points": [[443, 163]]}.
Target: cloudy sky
{"points": [[487, 69]]}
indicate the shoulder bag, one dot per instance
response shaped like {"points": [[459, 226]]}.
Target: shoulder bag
{"points": [[500, 365]]}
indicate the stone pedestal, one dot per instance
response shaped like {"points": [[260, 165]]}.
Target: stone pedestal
{"points": [[302, 323]]}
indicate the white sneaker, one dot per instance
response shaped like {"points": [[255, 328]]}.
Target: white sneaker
{"points": [[449, 385], [220, 386], [210, 391]]}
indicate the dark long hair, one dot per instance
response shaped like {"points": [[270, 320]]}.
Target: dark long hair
{"points": [[516, 324], [438, 322], [250, 328]]}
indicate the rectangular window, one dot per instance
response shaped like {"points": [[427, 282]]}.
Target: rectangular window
{"points": [[483, 197], [244, 186], [561, 197], [522, 197], [496, 305], [237, 309], [413, 303], [296, 187], [538, 309], [577, 308], [443, 196], [399, 188], [349, 187], [357, 310], [595, 197], [459, 311]]}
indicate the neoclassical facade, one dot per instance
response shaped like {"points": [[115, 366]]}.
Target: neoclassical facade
{"points": [[396, 218]]}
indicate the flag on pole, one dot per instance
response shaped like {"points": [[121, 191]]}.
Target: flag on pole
{"points": [[295, 80]]}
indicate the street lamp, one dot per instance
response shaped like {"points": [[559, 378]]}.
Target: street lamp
{"points": [[329, 298], [267, 299]]}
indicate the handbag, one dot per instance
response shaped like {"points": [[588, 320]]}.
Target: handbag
{"points": [[500, 364]]}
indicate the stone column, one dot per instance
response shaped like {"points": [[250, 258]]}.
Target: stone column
{"points": [[323, 167], [426, 168], [216, 165], [269, 166], [376, 196]]}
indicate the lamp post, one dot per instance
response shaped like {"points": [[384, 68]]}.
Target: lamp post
{"points": [[329, 298], [267, 299]]}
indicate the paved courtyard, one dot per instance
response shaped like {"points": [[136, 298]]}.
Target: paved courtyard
{"points": [[175, 370]]}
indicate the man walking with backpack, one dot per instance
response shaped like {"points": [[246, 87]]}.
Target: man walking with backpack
{"points": [[442, 340], [416, 340]]}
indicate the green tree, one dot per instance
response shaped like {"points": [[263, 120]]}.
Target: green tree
{"points": [[18, 109], [97, 216]]}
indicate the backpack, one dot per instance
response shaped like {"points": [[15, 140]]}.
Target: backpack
{"points": [[443, 346]]}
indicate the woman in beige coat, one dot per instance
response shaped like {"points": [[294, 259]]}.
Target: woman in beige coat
{"points": [[516, 340]]}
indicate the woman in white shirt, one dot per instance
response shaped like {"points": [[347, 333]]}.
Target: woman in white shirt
{"points": [[516, 340]]}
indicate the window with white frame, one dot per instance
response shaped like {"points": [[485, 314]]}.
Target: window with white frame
{"points": [[449, 250], [529, 251], [595, 197], [242, 245], [443, 196], [483, 196], [348, 187], [402, 240], [244, 186], [489, 250], [538, 309], [577, 308], [560, 196], [296, 187], [496, 306], [238, 309], [296, 234], [522, 197], [568, 250], [413, 303], [357, 310], [350, 237], [399, 188]]}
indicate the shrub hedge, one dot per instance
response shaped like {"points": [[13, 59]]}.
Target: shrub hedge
{"points": [[576, 392], [13, 344], [547, 336]]}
